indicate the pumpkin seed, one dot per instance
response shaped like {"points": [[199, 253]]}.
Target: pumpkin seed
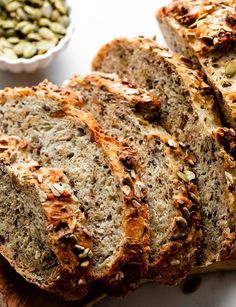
{"points": [[29, 51], [19, 48], [57, 28], [230, 68], [44, 22], [43, 46], [183, 176], [47, 9], [8, 24], [10, 54], [34, 36], [55, 15], [13, 40], [4, 43], [28, 28], [20, 14], [21, 25], [10, 32], [60, 7], [32, 12], [12, 6], [65, 21], [46, 33]]}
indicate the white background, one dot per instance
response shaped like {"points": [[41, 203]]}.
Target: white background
{"points": [[97, 22]]}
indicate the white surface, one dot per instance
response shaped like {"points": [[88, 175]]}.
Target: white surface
{"points": [[97, 22]]}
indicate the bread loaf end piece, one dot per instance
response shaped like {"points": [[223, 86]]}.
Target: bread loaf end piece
{"points": [[42, 225], [205, 32], [99, 170]]}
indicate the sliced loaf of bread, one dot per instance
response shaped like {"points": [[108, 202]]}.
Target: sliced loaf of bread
{"points": [[99, 171], [128, 113], [205, 31], [41, 222], [187, 111]]}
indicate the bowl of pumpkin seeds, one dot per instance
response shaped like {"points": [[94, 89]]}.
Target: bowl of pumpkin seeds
{"points": [[32, 33]]}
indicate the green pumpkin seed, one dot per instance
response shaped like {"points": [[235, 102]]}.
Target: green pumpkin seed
{"points": [[34, 36], [230, 68], [29, 51], [13, 40], [44, 45], [183, 176], [10, 32], [12, 6], [57, 28], [46, 33], [28, 28], [21, 25], [37, 2], [32, 12], [10, 54], [65, 21], [55, 15], [47, 9], [21, 15], [60, 7], [44, 22], [19, 48], [4, 43], [8, 24]]}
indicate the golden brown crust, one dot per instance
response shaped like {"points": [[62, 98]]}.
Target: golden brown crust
{"points": [[135, 248], [177, 256], [59, 204], [210, 42]]}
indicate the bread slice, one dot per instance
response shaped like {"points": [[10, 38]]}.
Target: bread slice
{"points": [[205, 31], [188, 112], [40, 222], [128, 113], [99, 171]]}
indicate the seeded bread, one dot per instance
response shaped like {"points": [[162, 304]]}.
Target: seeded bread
{"points": [[187, 111], [98, 169], [126, 113], [205, 31], [37, 208]]}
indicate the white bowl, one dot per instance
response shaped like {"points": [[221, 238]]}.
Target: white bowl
{"points": [[38, 61]]}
